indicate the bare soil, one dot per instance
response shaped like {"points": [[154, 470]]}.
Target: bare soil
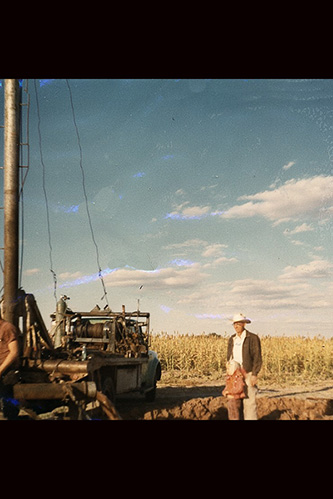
{"points": [[204, 401]]}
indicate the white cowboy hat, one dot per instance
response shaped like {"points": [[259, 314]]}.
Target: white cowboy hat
{"points": [[240, 318]]}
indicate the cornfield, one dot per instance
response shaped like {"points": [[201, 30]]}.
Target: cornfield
{"points": [[285, 359]]}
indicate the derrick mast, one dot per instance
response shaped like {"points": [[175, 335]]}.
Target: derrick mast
{"points": [[11, 199]]}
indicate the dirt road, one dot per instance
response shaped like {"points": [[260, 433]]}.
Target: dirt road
{"points": [[205, 402]]}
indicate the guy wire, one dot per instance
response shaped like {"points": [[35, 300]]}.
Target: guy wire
{"points": [[85, 195], [24, 164], [45, 196]]}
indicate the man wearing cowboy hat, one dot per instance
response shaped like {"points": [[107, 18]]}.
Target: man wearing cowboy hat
{"points": [[245, 348]]}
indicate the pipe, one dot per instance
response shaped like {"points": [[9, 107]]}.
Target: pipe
{"points": [[64, 366], [60, 322], [53, 391], [11, 198]]}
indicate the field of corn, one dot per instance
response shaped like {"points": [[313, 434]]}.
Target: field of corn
{"points": [[290, 360]]}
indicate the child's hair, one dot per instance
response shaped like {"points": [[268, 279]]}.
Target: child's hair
{"points": [[232, 366]]}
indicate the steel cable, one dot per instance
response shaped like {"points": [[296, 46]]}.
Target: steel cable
{"points": [[85, 195], [45, 196]]}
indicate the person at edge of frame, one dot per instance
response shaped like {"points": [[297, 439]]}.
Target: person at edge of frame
{"points": [[244, 347], [9, 361]]}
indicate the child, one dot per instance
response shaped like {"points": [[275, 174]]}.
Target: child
{"points": [[234, 389]]}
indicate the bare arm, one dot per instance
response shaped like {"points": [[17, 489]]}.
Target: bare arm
{"points": [[12, 355]]}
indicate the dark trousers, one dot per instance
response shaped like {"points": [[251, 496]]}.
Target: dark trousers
{"points": [[8, 405], [235, 409]]}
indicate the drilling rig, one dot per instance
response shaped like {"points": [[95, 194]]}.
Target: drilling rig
{"points": [[87, 358]]}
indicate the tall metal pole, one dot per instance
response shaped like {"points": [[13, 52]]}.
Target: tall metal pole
{"points": [[11, 199]]}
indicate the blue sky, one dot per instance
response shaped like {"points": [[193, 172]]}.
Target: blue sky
{"points": [[207, 198]]}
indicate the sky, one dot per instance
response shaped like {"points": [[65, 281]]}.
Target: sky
{"points": [[206, 197]]}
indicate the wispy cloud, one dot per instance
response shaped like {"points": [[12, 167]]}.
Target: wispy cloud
{"points": [[219, 261], [298, 295], [180, 262], [189, 243], [184, 212], [211, 316], [316, 269], [193, 213], [183, 277], [70, 275], [179, 275], [30, 272], [265, 294], [214, 250], [293, 200], [297, 230], [288, 165]]}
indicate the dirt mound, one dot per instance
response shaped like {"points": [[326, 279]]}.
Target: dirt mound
{"points": [[215, 408], [294, 408], [197, 408]]}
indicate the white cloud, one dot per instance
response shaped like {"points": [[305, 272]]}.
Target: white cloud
{"points": [[298, 243], [266, 294], [214, 250], [264, 287], [211, 316], [219, 261], [224, 259], [183, 212], [259, 297], [208, 187], [190, 243], [291, 201], [70, 275], [29, 272], [316, 269], [300, 228], [288, 165], [180, 277]]}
